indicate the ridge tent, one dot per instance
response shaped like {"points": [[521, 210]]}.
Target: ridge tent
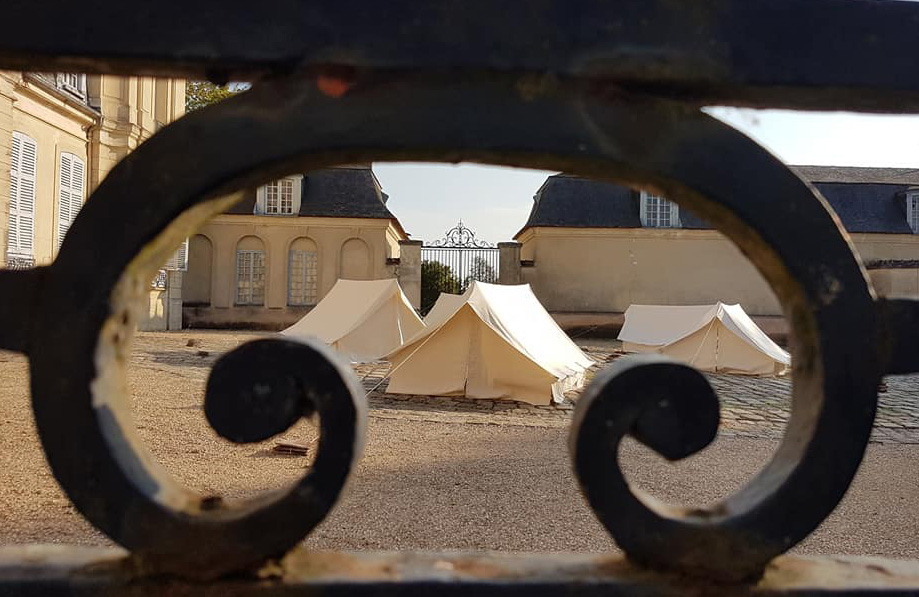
{"points": [[494, 341], [716, 338], [364, 320]]}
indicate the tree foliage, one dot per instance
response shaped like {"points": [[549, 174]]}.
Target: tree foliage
{"points": [[202, 93], [436, 278], [482, 271]]}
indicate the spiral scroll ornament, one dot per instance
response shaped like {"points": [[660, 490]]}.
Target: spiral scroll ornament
{"points": [[199, 165]]}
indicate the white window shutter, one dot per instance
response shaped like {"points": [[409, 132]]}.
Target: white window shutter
{"points": [[79, 186], [179, 259], [70, 193], [15, 159], [22, 196], [182, 256], [64, 216], [675, 215], [259, 208], [912, 212]]}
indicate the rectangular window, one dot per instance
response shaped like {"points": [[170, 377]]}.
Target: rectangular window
{"points": [[23, 163], [70, 193], [302, 279], [287, 196], [250, 277], [912, 211], [279, 197], [657, 212], [271, 198], [72, 83]]}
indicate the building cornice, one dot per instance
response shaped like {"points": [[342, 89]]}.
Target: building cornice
{"points": [[675, 233], [48, 94], [299, 221]]}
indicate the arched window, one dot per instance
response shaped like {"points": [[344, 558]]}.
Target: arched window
{"points": [[355, 260], [250, 271], [302, 272]]}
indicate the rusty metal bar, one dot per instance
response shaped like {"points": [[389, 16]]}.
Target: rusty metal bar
{"points": [[820, 54], [608, 90], [55, 570]]}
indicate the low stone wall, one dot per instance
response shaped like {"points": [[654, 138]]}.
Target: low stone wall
{"points": [[241, 318]]}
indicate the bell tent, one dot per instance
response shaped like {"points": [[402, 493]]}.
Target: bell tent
{"points": [[494, 341], [363, 320], [717, 338]]}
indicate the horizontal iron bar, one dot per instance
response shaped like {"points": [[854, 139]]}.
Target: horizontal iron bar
{"points": [[63, 570], [811, 54]]}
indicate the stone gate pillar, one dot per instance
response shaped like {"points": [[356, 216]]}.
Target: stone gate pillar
{"points": [[409, 270], [509, 263], [174, 299]]}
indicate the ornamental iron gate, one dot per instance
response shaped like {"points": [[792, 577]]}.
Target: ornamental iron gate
{"points": [[450, 264], [608, 90]]}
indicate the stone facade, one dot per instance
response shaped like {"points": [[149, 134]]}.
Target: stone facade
{"points": [[267, 261], [591, 249], [78, 122]]}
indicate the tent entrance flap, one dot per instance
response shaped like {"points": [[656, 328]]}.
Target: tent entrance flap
{"points": [[500, 339]]}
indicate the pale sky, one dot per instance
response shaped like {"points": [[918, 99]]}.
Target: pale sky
{"points": [[428, 199]]}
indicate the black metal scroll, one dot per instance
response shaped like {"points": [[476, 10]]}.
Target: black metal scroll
{"points": [[461, 237], [195, 167]]}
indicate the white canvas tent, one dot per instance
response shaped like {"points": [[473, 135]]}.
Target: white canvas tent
{"points": [[716, 338], [492, 342], [363, 320]]}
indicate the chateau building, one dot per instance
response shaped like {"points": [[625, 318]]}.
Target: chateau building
{"points": [[60, 134], [596, 248], [268, 260]]}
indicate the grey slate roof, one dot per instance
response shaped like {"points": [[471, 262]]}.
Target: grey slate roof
{"points": [[351, 192], [866, 207], [856, 174], [866, 199], [344, 192]]}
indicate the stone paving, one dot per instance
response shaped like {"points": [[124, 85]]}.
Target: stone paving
{"points": [[750, 406]]}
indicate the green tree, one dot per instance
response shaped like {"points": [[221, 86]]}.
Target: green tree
{"points": [[482, 271], [436, 278], [202, 93]]}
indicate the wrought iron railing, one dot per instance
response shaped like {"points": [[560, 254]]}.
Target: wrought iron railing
{"points": [[606, 90], [19, 262], [451, 263]]}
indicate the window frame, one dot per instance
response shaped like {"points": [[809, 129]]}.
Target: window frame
{"points": [[69, 196], [271, 200], [912, 211], [72, 83], [310, 291], [251, 277], [652, 207], [18, 252]]}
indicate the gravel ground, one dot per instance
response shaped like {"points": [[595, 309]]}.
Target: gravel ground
{"points": [[422, 484]]}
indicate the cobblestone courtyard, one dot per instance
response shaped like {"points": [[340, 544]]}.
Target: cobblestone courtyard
{"points": [[750, 406], [455, 473]]}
